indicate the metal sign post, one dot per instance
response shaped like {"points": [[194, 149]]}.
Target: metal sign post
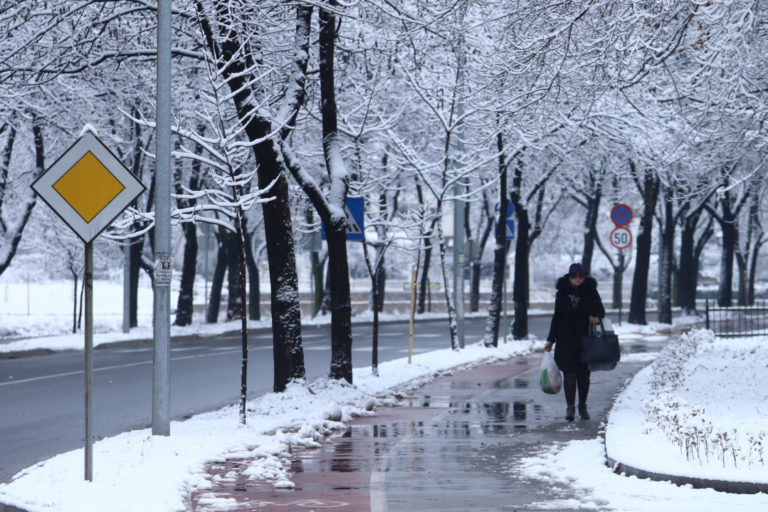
{"points": [[88, 187], [88, 361]]}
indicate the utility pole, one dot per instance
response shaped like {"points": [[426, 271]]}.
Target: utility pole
{"points": [[161, 381]]}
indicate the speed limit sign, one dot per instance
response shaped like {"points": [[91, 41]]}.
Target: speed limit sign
{"points": [[621, 238]]}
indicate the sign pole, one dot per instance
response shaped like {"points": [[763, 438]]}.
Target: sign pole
{"points": [[88, 278], [161, 404], [412, 312]]}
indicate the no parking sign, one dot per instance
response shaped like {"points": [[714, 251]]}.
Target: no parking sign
{"points": [[621, 215]]}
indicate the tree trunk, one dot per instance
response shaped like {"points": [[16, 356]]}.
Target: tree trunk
{"points": [[317, 279], [254, 293], [74, 303], [618, 282], [521, 288], [650, 191], [278, 228], [590, 229], [381, 283], [424, 284], [686, 291], [725, 288], [235, 282], [341, 307], [474, 286], [184, 305], [217, 281], [452, 322], [499, 256], [666, 251]]}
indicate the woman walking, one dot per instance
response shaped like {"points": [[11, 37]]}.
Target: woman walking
{"points": [[577, 304]]}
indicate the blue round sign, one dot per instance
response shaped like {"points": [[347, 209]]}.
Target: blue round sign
{"points": [[621, 214]]}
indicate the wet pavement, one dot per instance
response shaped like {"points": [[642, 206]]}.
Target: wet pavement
{"points": [[450, 445]]}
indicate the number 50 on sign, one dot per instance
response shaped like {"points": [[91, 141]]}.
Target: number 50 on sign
{"points": [[621, 238]]}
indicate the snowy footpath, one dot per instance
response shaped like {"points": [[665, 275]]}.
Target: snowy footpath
{"points": [[695, 411]]}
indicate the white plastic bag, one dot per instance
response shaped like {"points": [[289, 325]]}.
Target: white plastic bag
{"points": [[550, 378]]}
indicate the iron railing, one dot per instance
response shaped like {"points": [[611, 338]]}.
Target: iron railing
{"points": [[737, 321]]}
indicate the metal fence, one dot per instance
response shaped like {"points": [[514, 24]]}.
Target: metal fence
{"points": [[737, 321]]}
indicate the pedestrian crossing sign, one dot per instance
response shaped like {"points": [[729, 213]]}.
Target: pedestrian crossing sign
{"points": [[354, 209]]}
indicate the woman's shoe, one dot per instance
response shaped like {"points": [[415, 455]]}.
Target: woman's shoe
{"points": [[583, 411], [570, 411]]}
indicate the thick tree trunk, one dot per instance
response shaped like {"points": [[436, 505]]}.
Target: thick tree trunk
{"points": [[278, 228], [590, 229], [317, 279], [725, 288], [666, 250], [474, 286], [650, 191], [521, 288], [217, 281], [184, 303], [686, 291], [341, 307]]}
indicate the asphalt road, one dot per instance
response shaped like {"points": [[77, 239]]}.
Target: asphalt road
{"points": [[42, 396]]}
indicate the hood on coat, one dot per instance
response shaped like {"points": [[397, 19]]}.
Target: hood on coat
{"points": [[563, 284]]}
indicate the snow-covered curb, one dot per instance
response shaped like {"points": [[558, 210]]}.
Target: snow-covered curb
{"points": [[138, 471]]}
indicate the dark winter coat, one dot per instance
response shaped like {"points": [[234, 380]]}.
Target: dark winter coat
{"points": [[573, 305]]}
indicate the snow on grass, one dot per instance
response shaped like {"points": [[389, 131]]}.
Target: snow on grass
{"points": [[702, 406]]}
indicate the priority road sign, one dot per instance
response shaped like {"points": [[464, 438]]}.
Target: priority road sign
{"points": [[621, 214], [88, 187], [354, 209]]}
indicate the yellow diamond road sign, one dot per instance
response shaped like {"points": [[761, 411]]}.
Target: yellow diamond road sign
{"points": [[88, 187]]}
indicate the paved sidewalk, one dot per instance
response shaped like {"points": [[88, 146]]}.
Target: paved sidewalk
{"points": [[449, 446]]}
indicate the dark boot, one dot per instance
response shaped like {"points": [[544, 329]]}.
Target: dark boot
{"points": [[583, 411], [570, 411]]}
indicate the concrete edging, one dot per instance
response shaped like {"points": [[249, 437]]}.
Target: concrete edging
{"points": [[697, 483]]}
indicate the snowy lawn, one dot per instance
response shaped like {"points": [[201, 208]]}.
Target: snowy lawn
{"points": [[698, 410], [701, 406]]}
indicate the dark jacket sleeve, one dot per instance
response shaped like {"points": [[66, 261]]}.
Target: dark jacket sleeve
{"points": [[555, 324], [598, 309]]}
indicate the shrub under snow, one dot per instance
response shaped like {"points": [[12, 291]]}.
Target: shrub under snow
{"points": [[709, 398]]}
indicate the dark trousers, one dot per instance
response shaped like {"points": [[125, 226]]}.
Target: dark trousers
{"points": [[574, 381]]}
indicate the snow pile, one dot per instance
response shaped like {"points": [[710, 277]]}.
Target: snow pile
{"points": [[703, 398]]}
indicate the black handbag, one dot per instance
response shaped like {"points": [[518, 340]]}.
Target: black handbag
{"points": [[599, 349]]}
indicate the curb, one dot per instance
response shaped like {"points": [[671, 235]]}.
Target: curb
{"points": [[697, 483]]}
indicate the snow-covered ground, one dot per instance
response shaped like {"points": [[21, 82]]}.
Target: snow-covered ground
{"points": [[137, 471]]}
